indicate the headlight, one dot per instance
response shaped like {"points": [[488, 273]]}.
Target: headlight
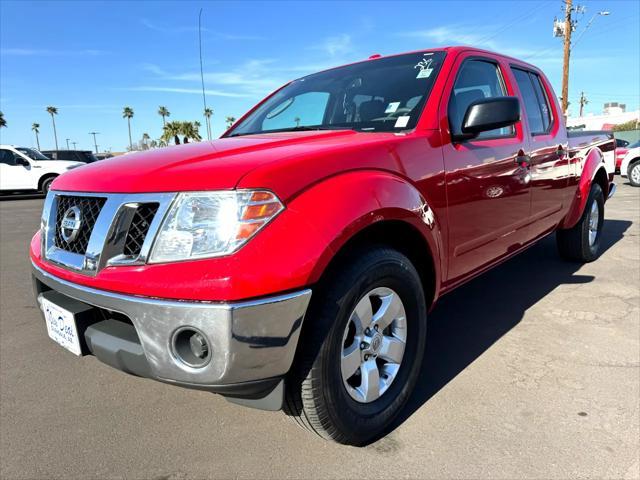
{"points": [[211, 224]]}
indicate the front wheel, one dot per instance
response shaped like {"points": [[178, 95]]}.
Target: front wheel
{"points": [[362, 348], [46, 184], [581, 243], [634, 173]]}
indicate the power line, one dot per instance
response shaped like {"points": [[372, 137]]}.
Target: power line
{"points": [[510, 23]]}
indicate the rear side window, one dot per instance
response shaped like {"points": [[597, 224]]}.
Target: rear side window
{"points": [[476, 80], [535, 101]]}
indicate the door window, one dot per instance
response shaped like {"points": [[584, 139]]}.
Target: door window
{"points": [[535, 101], [476, 80], [7, 157]]}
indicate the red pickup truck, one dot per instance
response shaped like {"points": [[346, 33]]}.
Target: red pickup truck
{"points": [[291, 264]]}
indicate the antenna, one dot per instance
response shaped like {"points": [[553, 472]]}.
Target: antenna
{"points": [[204, 97]]}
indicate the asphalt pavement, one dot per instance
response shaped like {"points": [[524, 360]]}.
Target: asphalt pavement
{"points": [[531, 371]]}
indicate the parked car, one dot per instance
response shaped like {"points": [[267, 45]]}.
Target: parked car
{"points": [[621, 151], [293, 262], [630, 165], [85, 156], [23, 168]]}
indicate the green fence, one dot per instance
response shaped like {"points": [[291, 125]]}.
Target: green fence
{"points": [[630, 136]]}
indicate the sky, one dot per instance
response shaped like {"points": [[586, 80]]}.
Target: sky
{"points": [[90, 59]]}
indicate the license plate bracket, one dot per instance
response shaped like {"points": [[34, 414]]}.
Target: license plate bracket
{"points": [[76, 317]]}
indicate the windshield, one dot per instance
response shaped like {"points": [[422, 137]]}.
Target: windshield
{"points": [[32, 153], [386, 95]]}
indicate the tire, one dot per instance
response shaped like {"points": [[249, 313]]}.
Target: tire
{"points": [[582, 242], [318, 396], [633, 173], [46, 184]]}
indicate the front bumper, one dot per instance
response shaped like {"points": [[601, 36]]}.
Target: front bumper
{"points": [[252, 343]]}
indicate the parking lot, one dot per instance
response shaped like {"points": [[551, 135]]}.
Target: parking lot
{"points": [[532, 370]]}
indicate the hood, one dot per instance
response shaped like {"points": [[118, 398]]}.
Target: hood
{"points": [[215, 165]]}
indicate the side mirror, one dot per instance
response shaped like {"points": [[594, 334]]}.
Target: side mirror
{"points": [[22, 161], [489, 114]]}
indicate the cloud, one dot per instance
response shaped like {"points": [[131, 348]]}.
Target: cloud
{"points": [[45, 52], [172, 29], [337, 45], [197, 91]]}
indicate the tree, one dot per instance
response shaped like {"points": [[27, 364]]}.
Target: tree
{"points": [[36, 128], [127, 113], [163, 112], [172, 130], [3, 122], [189, 130], [630, 125], [145, 138], [207, 115], [53, 111], [297, 120], [230, 121]]}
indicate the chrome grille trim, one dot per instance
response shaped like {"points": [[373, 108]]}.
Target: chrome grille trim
{"points": [[106, 244]]}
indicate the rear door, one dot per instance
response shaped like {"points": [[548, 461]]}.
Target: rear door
{"points": [[488, 194], [549, 165]]}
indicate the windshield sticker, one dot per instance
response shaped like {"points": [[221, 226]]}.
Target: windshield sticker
{"points": [[392, 107], [402, 122], [424, 67]]}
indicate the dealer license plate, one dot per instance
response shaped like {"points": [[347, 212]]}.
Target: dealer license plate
{"points": [[61, 326]]}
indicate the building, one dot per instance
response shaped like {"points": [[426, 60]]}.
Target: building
{"points": [[613, 114]]}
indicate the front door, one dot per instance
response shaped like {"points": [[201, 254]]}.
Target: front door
{"points": [[13, 176], [488, 192]]}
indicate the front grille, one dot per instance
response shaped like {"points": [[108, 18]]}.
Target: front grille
{"points": [[139, 228], [90, 208]]}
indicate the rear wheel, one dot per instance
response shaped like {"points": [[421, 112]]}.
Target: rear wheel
{"points": [[633, 173], [582, 242], [362, 349]]}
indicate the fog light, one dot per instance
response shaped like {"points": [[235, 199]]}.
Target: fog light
{"points": [[198, 345], [190, 346]]}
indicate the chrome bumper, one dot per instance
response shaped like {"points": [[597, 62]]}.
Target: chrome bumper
{"points": [[250, 341]]}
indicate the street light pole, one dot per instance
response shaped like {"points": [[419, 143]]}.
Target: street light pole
{"points": [[67, 139], [94, 139], [74, 144]]}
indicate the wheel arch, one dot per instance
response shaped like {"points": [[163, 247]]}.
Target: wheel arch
{"points": [[46, 177], [593, 170]]}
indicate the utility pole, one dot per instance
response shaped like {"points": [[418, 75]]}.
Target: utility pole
{"points": [[583, 102], [94, 139], [67, 139], [565, 29], [568, 27]]}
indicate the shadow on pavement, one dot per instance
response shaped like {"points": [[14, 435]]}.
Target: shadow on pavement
{"points": [[469, 320], [20, 196]]}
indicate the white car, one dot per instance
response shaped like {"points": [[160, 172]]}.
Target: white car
{"points": [[630, 166], [23, 168]]}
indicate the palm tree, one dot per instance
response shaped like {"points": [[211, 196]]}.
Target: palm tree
{"points": [[189, 130], [3, 122], [53, 111], [230, 121], [145, 138], [297, 120], [36, 128], [127, 113], [207, 115], [163, 112], [172, 130]]}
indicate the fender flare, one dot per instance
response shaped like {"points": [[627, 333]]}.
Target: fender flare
{"points": [[593, 163], [342, 206]]}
